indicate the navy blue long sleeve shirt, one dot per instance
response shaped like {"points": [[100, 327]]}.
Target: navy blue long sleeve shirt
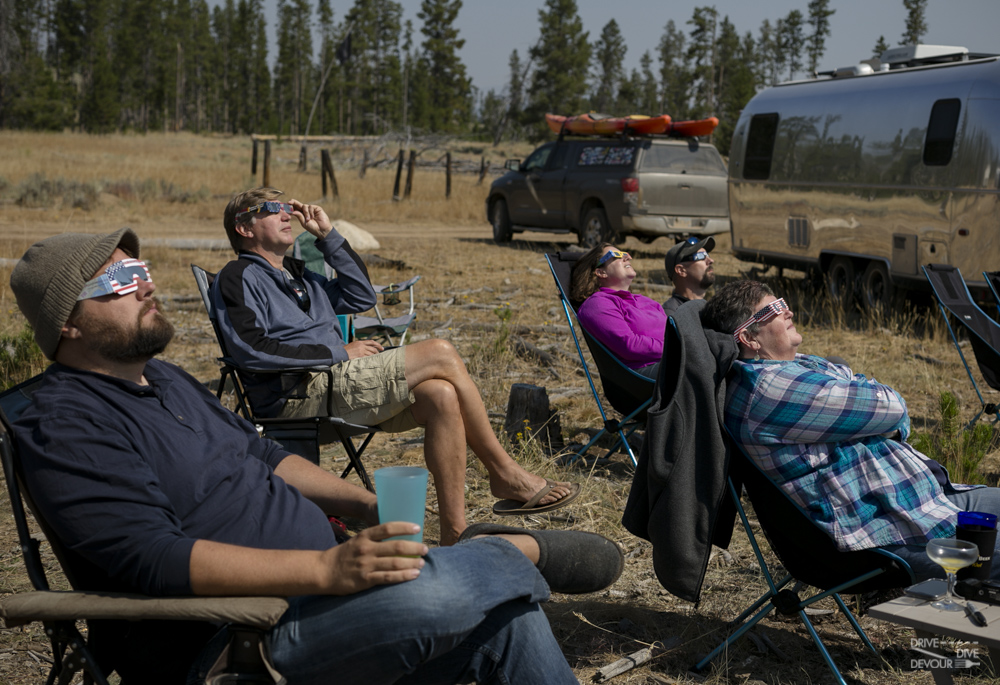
{"points": [[130, 476]]}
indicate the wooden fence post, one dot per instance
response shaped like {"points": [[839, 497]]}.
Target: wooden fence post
{"points": [[303, 157], [399, 172], [327, 170], [484, 166], [409, 174], [447, 175], [364, 164], [253, 160], [266, 182]]}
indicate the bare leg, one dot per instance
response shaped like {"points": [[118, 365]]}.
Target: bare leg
{"points": [[438, 360], [444, 452]]}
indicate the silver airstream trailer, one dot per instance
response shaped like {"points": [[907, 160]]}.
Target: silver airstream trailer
{"points": [[867, 173]]}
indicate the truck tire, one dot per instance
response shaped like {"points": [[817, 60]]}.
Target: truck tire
{"points": [[877, 290], [840, 282], [502, 232], [594, 229]]}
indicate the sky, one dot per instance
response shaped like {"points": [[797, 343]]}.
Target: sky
{"points": [[492, 29]]}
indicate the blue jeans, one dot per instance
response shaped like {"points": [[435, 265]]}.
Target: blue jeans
{"points": [[980, 499], [471, 616]]}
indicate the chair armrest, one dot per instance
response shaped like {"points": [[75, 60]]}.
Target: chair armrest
{"points": [[25, 607]]}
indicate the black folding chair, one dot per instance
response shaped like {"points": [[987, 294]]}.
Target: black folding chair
{"points": [[808, 554], [628, 392], [954, 299], [245, 659], [809, 557], [300, 435], [993, 281]]}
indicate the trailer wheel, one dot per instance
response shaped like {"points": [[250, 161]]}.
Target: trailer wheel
{"points": [[877, 289], [840, 282], [595, 229], [500, 219]]}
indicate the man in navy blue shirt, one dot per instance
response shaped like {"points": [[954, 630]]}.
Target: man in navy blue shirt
{"points": [[154, 487]]}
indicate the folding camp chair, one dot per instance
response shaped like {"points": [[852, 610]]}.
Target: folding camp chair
{"points": [[954, 298], [809, 557], [300, 435], [245, 659], [993, 281], [808, 554], [628, 392], [389, 329]]}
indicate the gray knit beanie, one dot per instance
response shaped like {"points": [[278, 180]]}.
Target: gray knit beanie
{"points": [[50, 276]]}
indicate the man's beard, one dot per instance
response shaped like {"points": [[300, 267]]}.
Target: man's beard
{"points": [[708, 280], [131, 344]]}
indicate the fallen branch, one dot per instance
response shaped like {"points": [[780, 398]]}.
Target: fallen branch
{"points": [[635, 659]]}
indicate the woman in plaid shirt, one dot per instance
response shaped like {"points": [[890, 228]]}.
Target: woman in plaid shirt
{"points": [[833, 440]]}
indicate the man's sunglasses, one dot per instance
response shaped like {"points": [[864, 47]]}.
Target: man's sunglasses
{"points": [[610, 255], [696, 257], [762, 315], [270, 207], [121, 278]]}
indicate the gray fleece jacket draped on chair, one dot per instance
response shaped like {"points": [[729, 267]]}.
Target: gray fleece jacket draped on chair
{"points": [[679, 496]]}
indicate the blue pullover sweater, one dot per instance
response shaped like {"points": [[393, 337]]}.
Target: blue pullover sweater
{"points": [[266, 329]]}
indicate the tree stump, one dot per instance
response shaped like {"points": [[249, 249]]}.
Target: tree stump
{"points": [[530, 418]]}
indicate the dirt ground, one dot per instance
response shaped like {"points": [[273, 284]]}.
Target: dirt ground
{"points": [[484, 297]]}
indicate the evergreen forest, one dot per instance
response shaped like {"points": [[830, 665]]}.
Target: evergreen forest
{"points": [[103, 66]]}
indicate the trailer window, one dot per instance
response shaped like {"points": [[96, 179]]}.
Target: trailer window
{"points": [[941, 132], [760, 146]]}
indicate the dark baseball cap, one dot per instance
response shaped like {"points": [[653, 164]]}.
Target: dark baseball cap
{"points": [[683, 251]]}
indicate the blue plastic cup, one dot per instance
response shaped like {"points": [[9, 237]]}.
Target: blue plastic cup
{"points": [[981, 528], [402, 496]]}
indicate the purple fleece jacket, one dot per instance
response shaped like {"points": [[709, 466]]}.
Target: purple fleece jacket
{"points": [[629, 325]]}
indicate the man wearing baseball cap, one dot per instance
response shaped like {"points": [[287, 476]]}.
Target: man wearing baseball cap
{"points": [[152, 486], [690, 269]]}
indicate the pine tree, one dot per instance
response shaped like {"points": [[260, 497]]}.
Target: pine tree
{"points": [[448, 91], [701, 53], [880, 46], [561, 57], [819, 20], [649, 99], [609, 71], [791, 40], [374, 73], [675, 77], [741, 59], [294, 68], [99, 113], [916, 23], [770, 55]]}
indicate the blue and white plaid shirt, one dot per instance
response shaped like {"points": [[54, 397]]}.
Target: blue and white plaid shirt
{"points": [[823, 435]]}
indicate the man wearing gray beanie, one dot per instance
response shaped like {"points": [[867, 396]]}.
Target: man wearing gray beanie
{"points": [[152, 486]]}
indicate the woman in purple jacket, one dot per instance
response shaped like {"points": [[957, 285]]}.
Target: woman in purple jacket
{"points": [[631, 326]]}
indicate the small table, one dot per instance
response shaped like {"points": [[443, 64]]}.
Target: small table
{"points": [[929, 622]]}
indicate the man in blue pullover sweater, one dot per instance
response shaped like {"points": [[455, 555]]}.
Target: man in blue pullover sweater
{"points": [[275, 314]]}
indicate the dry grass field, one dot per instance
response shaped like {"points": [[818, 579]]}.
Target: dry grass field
{"points": [[169, 187]]}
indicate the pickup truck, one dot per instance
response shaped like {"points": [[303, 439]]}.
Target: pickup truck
{"points": [[604, 189]]}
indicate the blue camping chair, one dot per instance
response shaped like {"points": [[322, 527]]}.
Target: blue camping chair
{"points": [[956, 304], [628, 392]]}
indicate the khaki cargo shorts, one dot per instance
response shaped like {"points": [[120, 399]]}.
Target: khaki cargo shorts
{"points": [[368, 390]]}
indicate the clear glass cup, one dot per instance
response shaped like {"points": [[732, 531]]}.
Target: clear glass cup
{"points": [[951, 555]]}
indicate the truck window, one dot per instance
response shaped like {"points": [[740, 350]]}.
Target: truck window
{"points": [[941, 132], [760, 146], [538, 158], [606, 155], [690, 159]]}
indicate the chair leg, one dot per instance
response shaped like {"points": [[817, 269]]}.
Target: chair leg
{"points": [[71, 655], [854, 624], [733, 637], [821, 647], [354, 459]]}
